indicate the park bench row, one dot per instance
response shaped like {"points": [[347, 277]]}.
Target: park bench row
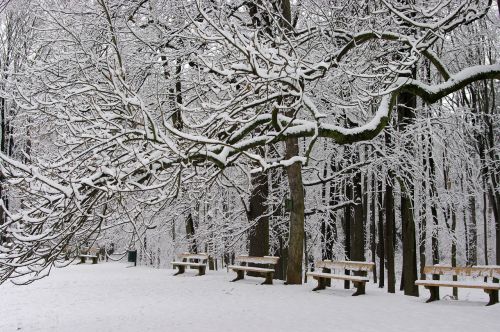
{"points": [[342, 270]]}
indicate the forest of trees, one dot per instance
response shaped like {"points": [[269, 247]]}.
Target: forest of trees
{"points": [[307, 129]]}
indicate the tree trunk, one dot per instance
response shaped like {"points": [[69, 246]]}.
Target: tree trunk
{"points": [[389, 236], [347, 230], [259, 234], [433, 195], [485, 227], [296, 240], [406, 115], [381, 253], [193, 248], [358, 229], [409, 246], [473, 231], [423, 214], [389, 227], [373, 235], [454, 248]]}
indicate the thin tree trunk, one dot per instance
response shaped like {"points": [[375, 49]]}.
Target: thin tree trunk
{"points": [[389, 236], [257, 213], [358, 230], [190, 232], [454, 248], [473, 231], [373, 235], [485, 227], [381, 251], [347, 230]]}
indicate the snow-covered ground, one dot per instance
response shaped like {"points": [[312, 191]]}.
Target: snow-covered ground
{"points": [[112, 297]]}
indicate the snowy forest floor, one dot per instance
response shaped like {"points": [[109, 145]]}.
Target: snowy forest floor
{"points": [[112, 297]]}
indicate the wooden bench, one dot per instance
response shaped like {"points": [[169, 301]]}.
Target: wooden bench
{"points": [[472, 271], [194, 261], [91, 253], [268, 271], [83, 258], [358, 281]]}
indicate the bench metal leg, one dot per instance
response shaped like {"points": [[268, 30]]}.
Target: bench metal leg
{"points": [[83, 260], [360, 288], [493, 296], [201, 270], [328, 282], [321, 284], [94, 260], [239, 275], [269, 279], [434, 293], [181, 269]]}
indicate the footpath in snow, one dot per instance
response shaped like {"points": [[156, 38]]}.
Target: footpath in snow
{"points": [[112, 297]]}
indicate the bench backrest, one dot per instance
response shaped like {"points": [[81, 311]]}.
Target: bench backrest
{"points": [[201, 256], [466, 271], [89, 251], [348, 265], [93, 251], [257, 260]]}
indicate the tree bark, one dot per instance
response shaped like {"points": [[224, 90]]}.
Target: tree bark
{"points": [[406, 113], [389, 236], [259, 234], [347, 230], [296, 240], [193, 248], [381, 231], [373, 235]]}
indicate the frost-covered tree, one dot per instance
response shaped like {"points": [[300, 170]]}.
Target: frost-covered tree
{"points": [[143, 102]]}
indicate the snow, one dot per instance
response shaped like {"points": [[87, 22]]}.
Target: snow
{"points": [[113, 297]]}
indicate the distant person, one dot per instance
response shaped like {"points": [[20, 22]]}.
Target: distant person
{"points": [[111, 250]]}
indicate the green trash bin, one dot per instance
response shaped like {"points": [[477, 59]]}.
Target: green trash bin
{"points": [[132, 256]]}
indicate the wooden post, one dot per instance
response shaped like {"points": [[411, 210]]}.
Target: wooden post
{"points": [[493, 293], [360, 288], [434, 293], [181, 269], [328, 282], [240, 274], [321, 284], [269, 279]]}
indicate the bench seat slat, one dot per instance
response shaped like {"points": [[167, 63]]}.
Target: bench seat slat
{"points": [[249, 268], [459, 284], [188, 264], [348, 265], [90, 256], [466, 271], [337, 276], [200, 256], [257, 260]]}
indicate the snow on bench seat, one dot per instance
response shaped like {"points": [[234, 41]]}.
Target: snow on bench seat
{"points": [[188, 264], [338, 276], [459, 284], [83, 258], [249, 268], [348, 265]]}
